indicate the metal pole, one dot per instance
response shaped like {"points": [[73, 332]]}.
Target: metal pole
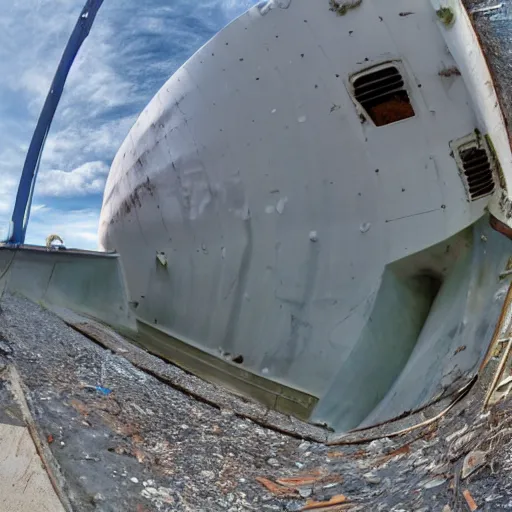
{"points": [[26, 186]]}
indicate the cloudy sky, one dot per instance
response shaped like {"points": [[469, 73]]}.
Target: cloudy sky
{"points": [[134, 47]]}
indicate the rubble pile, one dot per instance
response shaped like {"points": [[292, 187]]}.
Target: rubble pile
{"points": [[124, 438]]}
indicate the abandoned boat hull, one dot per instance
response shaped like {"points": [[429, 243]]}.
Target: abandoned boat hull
{"points": [[299, 199]]}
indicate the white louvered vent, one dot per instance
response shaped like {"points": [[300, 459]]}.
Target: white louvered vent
{"points": [[382, 94], [476, 166]]}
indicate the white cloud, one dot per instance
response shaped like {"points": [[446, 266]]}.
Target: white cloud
{"points": [[7, 191], [87, 179], [78, 228], [132, 50]]}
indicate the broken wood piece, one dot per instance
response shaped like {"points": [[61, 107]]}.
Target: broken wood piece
{"points": [[315, 505], [299, 481], [403, 450], [469, 500], [502, 390], [498, 329], [278, 490], [498, 373], [340, 508]]}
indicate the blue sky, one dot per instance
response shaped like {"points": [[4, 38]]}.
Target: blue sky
{"points": [[134, 47]]}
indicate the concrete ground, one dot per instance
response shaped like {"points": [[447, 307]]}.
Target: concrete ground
{"points": [[121, 436], [24, 483]]}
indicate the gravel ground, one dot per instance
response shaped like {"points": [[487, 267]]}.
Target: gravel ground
{"points": [[137, 444]]}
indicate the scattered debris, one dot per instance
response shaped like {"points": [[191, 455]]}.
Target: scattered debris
{"points": [[486, 9], [5, 348], [278, 490], [457, 434], [460, 446], [158, 496], [335, 500], [498, 373], [403, 450], [378, 446], [435, 482], [503, 389], [342, 7], [451, 71], [190, 455], [99, 389], [372, 478], [469, 500], [299, 481], [473, 461]]}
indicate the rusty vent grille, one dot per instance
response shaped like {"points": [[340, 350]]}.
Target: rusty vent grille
{"points": [[477, 172], [383, 95]]}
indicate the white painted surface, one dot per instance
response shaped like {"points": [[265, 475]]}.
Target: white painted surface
{"points": [[255, 144], [24, 484], [465, 47]]}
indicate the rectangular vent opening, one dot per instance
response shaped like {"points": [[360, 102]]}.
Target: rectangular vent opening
{"points": [[477, 172], [383, 95]]}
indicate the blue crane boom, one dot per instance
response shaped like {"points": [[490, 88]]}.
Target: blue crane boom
{"points": [[21, 212]]}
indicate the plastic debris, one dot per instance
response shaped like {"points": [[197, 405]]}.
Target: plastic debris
{"points": [[102, 390], [99, 389]]}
